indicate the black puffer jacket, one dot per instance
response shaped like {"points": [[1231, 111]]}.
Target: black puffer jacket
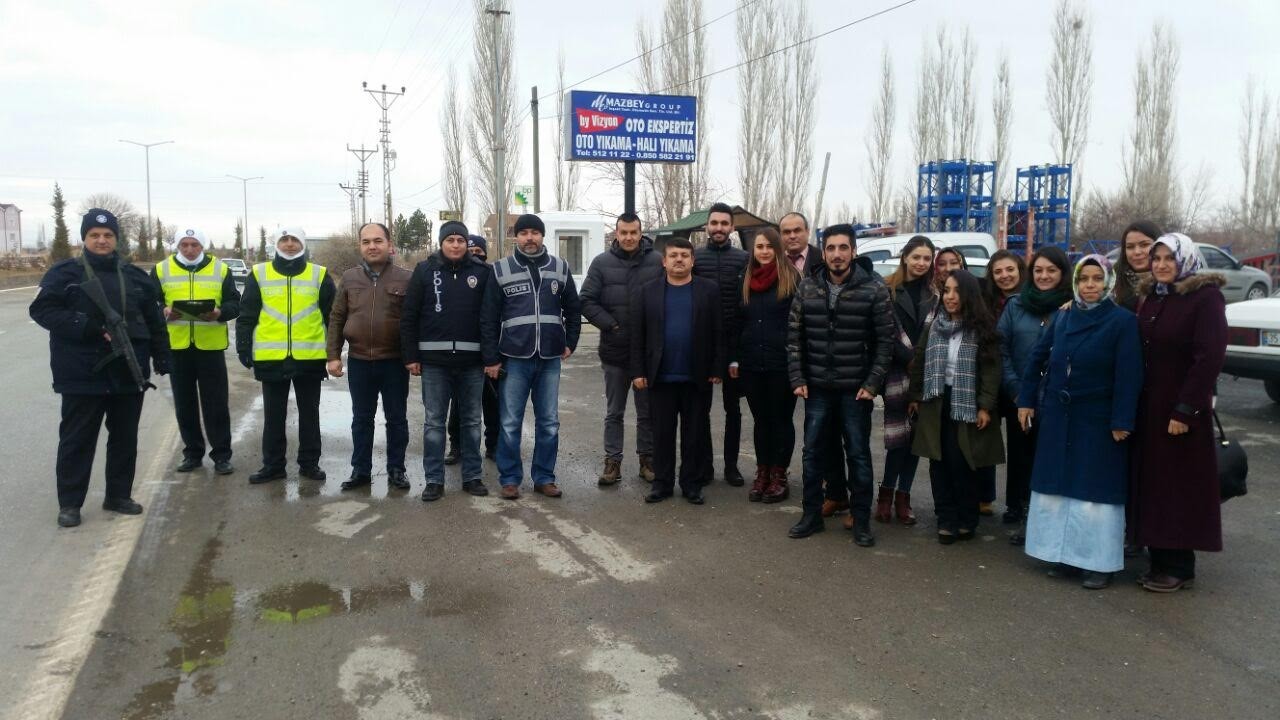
{"points": [[606, 296], [723, 265], [847, 347]]}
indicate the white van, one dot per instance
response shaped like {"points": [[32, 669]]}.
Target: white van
{"points": [[976, 247], [577, 238]]}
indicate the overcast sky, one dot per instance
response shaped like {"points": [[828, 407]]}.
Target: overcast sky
{"points": [[273, 89]]}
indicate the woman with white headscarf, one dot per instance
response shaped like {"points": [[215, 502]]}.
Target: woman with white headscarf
{"points": [[1174, 501], [1090, 366]]}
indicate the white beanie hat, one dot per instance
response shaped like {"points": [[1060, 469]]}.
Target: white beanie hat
{"points": [[294, 232], [194, 234]]}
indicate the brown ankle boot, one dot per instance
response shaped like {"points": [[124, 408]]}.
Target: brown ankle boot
{"points": [[884, 505], [902, 506], [777, 490], [758, 485]]}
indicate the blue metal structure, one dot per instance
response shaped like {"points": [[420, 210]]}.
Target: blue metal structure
{"points": [[955, 196], [1046, 189]]}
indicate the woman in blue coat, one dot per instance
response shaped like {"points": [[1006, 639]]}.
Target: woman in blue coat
{"points": [[1026, 317], [1092, 367]]}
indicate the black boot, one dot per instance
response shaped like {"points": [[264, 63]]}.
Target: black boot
{"points": [[453, 456], [69, 517], [397, 479], [358, 480], [266, 475], [124, 506], [809, 524]]}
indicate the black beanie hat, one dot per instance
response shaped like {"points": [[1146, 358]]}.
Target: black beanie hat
{"points": [[99, 218], [476, 241], [530, 222], [453, 227]]}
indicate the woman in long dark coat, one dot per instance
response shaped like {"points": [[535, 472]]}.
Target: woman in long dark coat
{"points": [[1174, 497], [1091, 364]]}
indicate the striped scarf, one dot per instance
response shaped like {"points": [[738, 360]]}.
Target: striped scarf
{"points": [[964, 386]]}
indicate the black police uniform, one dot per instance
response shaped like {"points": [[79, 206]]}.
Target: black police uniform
{"points": [[76, 347]]}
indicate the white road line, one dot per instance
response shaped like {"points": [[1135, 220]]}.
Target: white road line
{"points": [[383, 683], [54, 677], [637, 687], [339, 518], [28, 287]]}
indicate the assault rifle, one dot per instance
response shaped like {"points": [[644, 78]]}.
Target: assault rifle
{"points": [[118, 330]]}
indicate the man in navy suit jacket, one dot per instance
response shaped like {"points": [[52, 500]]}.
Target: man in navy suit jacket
{"points": [[677, 353]]}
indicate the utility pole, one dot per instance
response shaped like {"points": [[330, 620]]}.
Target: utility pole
{"points": [[499, 142], [537, 174], [244, 188], [362, 180], [351, 190], [147, 149], [822, 191], [385, 99]]}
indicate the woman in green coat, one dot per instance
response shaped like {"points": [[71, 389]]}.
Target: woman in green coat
{"points": [[955, 385]]}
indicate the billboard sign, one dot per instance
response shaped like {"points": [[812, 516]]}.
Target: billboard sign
{"points": [[617, 127]]}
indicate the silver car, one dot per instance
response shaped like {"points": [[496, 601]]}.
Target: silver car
{"points": [[1243, 281]]}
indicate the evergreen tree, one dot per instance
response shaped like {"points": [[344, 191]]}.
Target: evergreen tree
{"points": [[143, 245], [237, 250], [262, 243], [419, 231], [400, 232], [61, 249]]}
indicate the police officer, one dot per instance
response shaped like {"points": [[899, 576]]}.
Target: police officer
{"points": [[440, 340], [281, 335], [478, 249], [199, 378], [529, 323], [78, 299]]}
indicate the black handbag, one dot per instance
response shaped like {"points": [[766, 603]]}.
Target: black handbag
{"points": [[1233, 465]]}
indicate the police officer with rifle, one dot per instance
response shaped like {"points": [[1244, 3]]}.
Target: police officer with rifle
{"points": [[105, 328]]}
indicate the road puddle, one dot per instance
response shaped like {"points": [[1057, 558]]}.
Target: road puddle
{"points": [[208, 607]]}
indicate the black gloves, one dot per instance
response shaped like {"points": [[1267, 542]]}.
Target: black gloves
{"points": [[246, 360]]}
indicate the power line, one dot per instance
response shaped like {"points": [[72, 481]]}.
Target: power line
{"points": [[408, 40], [385, 33], [792, 46]]}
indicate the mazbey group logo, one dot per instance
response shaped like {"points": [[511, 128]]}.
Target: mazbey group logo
{"points": [[590, 121]]}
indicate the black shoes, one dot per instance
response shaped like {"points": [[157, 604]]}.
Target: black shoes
{"points": [[695, 497], [358, 480], [266, 475], [1095, 580], [224, 467], [396, 479], [312, 473], [1012, 516], [187, 465], [1060, 570], [491, 452], [946, 538], [657, 496], [809, 524], [432, 492], [453, 456], [733, 477], [862, 536], [475, 488], [124, 506], [68, 517]]}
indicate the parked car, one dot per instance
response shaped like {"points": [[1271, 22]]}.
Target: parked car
{"points": [[239, 271], [1243, 282], [1253, 342], [976, 247]]}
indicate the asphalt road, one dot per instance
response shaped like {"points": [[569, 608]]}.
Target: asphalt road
{"points": [[296, 600]]}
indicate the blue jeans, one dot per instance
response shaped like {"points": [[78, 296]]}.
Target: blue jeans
{"points": [[540, 379], [439, 384], [367, 379], [853, 418]]}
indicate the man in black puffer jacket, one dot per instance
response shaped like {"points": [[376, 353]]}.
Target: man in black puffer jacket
{"points": [[839, 342], [724, 264], [614, 276]]}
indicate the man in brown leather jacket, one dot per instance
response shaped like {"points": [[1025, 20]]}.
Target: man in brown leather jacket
{"points": [[366, 315]]}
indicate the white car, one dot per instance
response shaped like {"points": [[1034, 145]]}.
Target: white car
{"points": [[236, 267], [1253, 342], [977, 248]]}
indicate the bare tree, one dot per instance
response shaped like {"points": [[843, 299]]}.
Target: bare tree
{"points": [[925, 124], [1259, 155], [480, 131], [455, 176], [567, 173], [1001, 120], [677, 67], [1150, 158], [963, 98], [759, 102], [795, 113], [1069, 84], [879, 141]]}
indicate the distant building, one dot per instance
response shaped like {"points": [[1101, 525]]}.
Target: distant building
{"points": [[10, 229]]}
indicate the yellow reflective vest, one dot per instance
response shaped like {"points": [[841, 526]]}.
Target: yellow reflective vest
{"points": [[181, 283], [290, 324]]}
